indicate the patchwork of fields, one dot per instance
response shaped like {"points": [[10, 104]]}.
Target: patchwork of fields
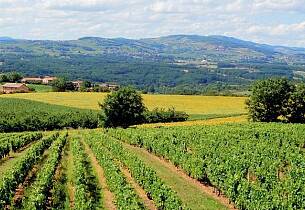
{"points": [[249, 166], [202, 105]]}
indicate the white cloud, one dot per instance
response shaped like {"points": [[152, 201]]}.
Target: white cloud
{"points": [[84, 5], [283, 5], [268, 21]]}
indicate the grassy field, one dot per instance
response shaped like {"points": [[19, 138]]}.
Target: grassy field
{"points": [[40, 88], [215, 121], [194, 105]]}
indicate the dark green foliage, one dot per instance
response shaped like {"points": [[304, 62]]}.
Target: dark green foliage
{"points": [[163, 115], [61, 85], [295, 112], [123, 108], [268, 100], [16, 141], [85, 86], [18, 115], [273, 99], [10, 77], [3, 78], [153, 62]]}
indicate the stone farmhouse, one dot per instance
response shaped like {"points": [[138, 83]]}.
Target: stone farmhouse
{"points": [[38, 80], [111, 87], [14, 88]]}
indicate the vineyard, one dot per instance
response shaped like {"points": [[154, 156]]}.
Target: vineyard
{"points": [[25, 115], [242, 166]]}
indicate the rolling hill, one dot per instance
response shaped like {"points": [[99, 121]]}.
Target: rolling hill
{"points": [[164, 62]]}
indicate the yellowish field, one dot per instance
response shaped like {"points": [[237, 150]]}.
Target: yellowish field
{"points": [[189, 104], [216, 121]]}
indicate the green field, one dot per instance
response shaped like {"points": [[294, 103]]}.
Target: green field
{"points": [[40, 88], [26, 115]]}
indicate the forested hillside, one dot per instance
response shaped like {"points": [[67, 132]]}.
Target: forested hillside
{"points": [[179, 60]]}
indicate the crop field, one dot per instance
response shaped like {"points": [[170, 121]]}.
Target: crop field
{"points": [[212, 121], [27, 115], [195, 105], [246, 166]]}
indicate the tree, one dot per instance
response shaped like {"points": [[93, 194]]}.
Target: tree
{"points": [[13, 76], [10, 77], [269, 99], [3, 78], [69, 86], [85, 85], [123, 108], [295, 112], [59, 85]]}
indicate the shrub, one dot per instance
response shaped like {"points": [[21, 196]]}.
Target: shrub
{"points": [[62, 85], [161, 115]]}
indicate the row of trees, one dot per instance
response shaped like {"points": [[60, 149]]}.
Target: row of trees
{"points": [[62, 84], [277, 100], [10, 77]]}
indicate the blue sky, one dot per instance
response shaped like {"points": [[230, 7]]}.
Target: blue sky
{"points": [[278, 22]]}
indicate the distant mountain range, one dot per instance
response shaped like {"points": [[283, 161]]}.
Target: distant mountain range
{"points": [[164, 61]]}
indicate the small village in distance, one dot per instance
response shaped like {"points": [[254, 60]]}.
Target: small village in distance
{"points": [[21, 86]]}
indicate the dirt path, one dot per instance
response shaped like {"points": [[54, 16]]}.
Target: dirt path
{"points": [[108, 198], [139, 190], [19, 193], [69, 161], [193, 193]]}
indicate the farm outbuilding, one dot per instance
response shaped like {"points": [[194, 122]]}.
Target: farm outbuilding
{"points": [[110, 87], [77, 84], [14, 88], [47, 80], [32, 80]]}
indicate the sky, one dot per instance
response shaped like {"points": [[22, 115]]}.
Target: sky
{"points": [[277, 22]]}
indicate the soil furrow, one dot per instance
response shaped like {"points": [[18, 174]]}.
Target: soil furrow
{"points": [[189, 188], [108, 197]]}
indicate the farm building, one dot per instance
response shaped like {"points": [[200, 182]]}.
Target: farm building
{"points": [[47, 80], [14, 88], [77, 84], [33, 80], [111, 87]]}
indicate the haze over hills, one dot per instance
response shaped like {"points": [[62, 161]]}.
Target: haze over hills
{"points": [[164, 61]]}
